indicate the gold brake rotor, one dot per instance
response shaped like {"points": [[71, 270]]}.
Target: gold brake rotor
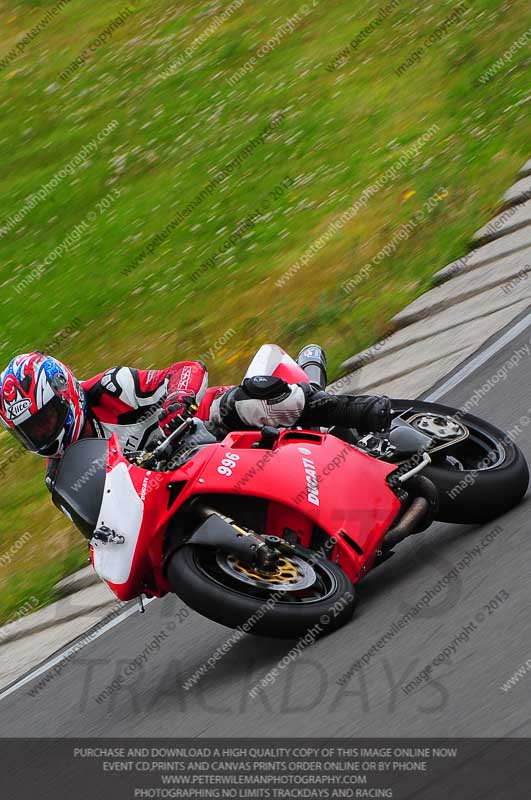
{"points": [[291, 574], [286, 572]]}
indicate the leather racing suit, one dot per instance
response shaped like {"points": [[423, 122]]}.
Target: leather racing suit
{"points": [[128, 401]]}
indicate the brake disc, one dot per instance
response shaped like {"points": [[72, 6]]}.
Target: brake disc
{"points": [[292, 574], [440, 427]]}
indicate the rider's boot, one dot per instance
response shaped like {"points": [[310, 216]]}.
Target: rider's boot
{"points": [[312, 359], [366, 413]]}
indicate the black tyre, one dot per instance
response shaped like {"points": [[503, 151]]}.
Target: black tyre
{"points": [[196, 577], [484, 477]]}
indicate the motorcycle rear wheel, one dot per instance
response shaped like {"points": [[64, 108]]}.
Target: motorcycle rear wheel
{"points": [[480, 491], [196, 577]]}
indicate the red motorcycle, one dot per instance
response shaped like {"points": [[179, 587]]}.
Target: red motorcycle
{"points": [[271, 530]]}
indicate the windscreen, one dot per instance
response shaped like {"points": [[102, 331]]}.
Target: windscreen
{"points": [[80, 482]]}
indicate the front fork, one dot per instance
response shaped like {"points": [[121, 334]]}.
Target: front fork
{"points": [[221, 533]]}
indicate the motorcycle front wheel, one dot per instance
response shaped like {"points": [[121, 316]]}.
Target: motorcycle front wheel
{"points": [[307, 594]]}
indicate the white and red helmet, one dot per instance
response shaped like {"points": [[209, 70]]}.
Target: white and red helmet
{"points": [[42, 404]]}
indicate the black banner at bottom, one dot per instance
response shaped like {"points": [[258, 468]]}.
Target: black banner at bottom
{"points": [[273, 769]]}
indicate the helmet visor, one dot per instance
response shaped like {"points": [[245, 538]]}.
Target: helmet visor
{"points": [[42, 429]]}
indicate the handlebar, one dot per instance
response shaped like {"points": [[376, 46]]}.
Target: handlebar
{"points": [[194, 434], [165, 448]]}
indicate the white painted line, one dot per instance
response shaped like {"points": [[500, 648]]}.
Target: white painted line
{"points": [[72, 649], [480, 359]]}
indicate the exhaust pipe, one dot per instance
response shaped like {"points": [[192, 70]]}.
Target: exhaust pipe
{"points": [[419, 515], [410, 523]]}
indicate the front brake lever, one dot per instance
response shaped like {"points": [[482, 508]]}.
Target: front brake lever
{"points": [[164, 449]]}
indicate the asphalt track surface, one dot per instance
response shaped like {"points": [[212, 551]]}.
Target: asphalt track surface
{"points": [[463, 698]]}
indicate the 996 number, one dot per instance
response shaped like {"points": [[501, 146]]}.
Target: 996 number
{"points": [[228, 463]]}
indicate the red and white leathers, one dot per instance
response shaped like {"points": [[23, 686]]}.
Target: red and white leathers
{"points": [[275, 392], [279, 401], [128, 401]]}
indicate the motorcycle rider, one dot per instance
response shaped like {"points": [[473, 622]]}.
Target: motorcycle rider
{"points": [[47, 408]]}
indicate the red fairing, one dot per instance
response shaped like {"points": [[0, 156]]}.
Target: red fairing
{"points": [[313, 478], [145, 571], [313, 484]]}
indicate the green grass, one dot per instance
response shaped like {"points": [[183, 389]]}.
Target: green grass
{"points": [[340, 131]]}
